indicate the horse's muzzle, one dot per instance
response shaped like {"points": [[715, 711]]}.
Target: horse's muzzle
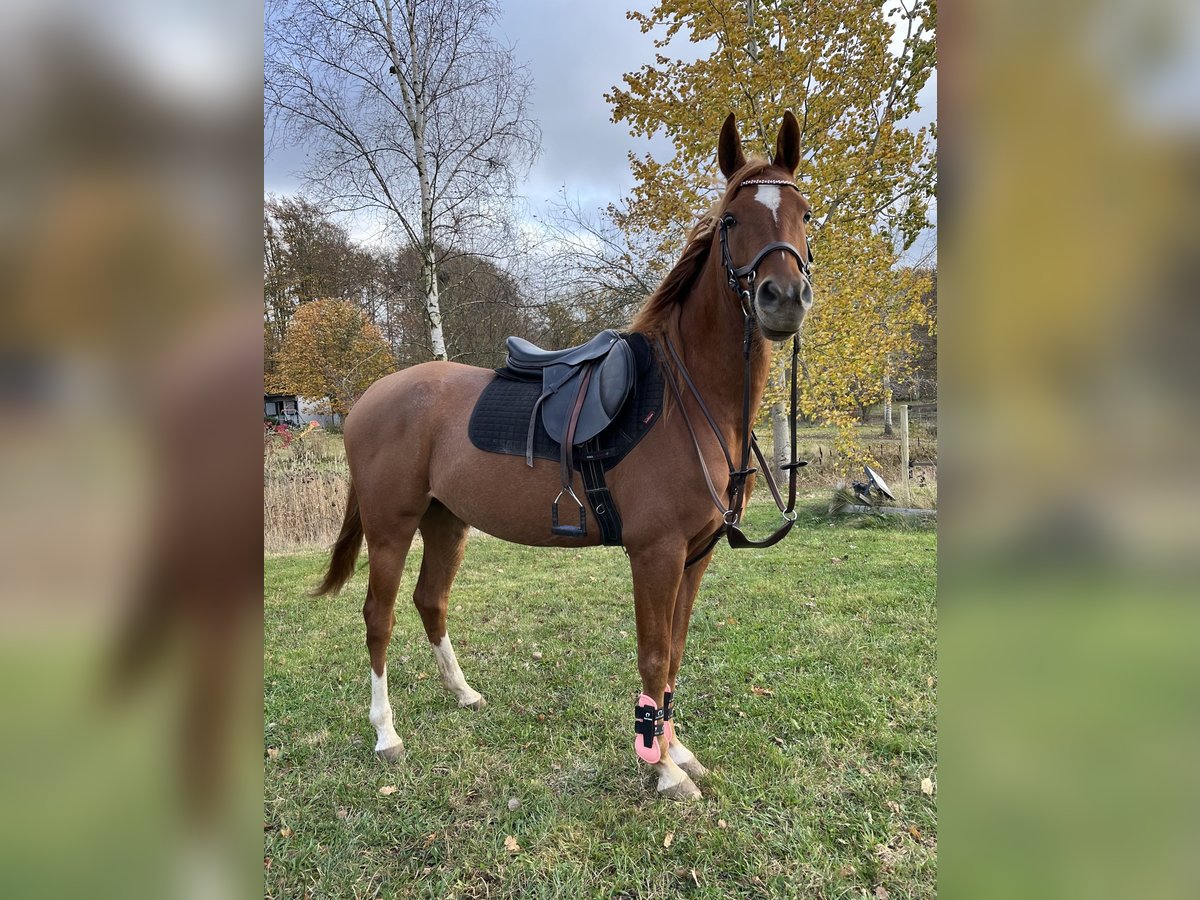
{"points": [[782, 306]]}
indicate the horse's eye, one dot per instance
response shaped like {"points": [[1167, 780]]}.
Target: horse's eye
{"points": [[807, 218]]}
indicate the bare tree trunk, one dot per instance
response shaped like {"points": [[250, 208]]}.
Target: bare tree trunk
{"points": [[781, 435], [887, 404], [433, 307], [416, 110]]}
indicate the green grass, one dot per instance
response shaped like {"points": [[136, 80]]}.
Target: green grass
{"points": [[814, 791]]}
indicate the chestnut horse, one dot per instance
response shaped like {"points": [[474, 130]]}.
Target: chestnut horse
{"points": [[413, 467]]}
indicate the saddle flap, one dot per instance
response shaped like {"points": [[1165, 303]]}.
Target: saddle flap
{"points": [[609, 388]]}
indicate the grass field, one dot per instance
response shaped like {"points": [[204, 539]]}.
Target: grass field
{"points": [[808, 691]]}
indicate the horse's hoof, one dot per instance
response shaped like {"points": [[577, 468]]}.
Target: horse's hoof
{"points": [[693, 768], [476, 704], [684, 790], [391, 754]]}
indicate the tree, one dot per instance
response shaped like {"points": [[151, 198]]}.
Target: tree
{"points": [[482, 305], [331, 354], [867, 176], [307, 256], [408, 108]]}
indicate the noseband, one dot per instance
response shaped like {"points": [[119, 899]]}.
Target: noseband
{"points": [[731, 515]]}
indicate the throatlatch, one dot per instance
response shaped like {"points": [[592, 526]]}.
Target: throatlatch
{"points": [[648, 725]]}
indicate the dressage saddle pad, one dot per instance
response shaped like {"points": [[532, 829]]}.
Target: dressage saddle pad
{"points": [[500, 421]]}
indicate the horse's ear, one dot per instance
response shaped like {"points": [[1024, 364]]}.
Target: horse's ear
{"points": [[729, 148], [787, 144]]}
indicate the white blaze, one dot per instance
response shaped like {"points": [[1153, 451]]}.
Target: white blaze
{"points": [[770, 196]]}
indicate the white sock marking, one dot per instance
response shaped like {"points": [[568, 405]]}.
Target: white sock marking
{"points": [[381, 713], [669, 773], [770, 196], [679, 754], [452, 676]]}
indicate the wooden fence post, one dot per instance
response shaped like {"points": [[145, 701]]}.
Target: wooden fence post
{"points": [[904, 452]]}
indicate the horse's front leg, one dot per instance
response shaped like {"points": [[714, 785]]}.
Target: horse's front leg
{"points": [[657, 573], [689, 586]]}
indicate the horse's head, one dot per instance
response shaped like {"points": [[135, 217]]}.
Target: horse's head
{"points": [[762, 230]]}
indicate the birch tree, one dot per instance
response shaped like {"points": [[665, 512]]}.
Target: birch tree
{"points": [[407, 108]]}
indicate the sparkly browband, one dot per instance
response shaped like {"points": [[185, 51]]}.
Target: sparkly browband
{"points": [[769, 181]]}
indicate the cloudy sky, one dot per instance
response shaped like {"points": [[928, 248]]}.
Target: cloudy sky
{"points": [[575, 53]]}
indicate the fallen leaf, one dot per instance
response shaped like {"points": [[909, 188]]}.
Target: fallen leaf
{"points": [[285, 832], [881, 893], [893, 806], [388, 789], [342, 812], [429, 840], [836, 560], [668, 839], [721, 823], [511, 845], [927, 786], [915, 832], [513, 803], [929, 681], [537, 655], [273, 753], [762, 692], [846, 871]]}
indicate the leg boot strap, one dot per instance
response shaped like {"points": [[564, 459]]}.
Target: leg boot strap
{"points": [[647, 725]]}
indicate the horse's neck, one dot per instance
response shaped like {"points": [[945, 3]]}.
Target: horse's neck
{"points": [[711, 330]]}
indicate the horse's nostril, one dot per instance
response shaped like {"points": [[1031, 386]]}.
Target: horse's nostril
{"points": [[806, 294], [769, 294]]}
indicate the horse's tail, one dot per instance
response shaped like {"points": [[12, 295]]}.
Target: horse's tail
{"points": [[345, 550]]}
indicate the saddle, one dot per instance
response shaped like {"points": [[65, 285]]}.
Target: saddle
{"points": [[584, 388]]}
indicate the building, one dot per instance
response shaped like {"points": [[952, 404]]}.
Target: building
{"points": [[289, 409]]}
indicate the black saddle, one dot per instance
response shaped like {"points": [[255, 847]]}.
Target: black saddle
{"points": [[602, 371], [583, 390], [526, 357]]}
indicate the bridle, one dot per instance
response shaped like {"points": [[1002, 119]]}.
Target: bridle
{"points": [[731, 515]]}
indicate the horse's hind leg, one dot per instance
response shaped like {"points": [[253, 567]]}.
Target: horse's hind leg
{"points": [[445, 537], [386, 569]]}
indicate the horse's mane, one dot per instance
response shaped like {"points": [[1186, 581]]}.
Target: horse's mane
{"points": [[655, 312]]}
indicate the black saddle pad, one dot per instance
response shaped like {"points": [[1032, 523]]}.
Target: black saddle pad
{"points": [[500, 420]]}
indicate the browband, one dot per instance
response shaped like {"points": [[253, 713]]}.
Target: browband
{"points": [[782, 181]]}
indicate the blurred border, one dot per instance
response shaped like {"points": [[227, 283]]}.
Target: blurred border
{"points": [[130, 505], [1069, 138]]}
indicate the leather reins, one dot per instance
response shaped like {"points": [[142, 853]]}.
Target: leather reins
{"points": [[731, 515]]}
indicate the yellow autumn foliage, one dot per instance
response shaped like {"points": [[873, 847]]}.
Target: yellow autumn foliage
{"points": [[851, 72], [330, 355]]}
